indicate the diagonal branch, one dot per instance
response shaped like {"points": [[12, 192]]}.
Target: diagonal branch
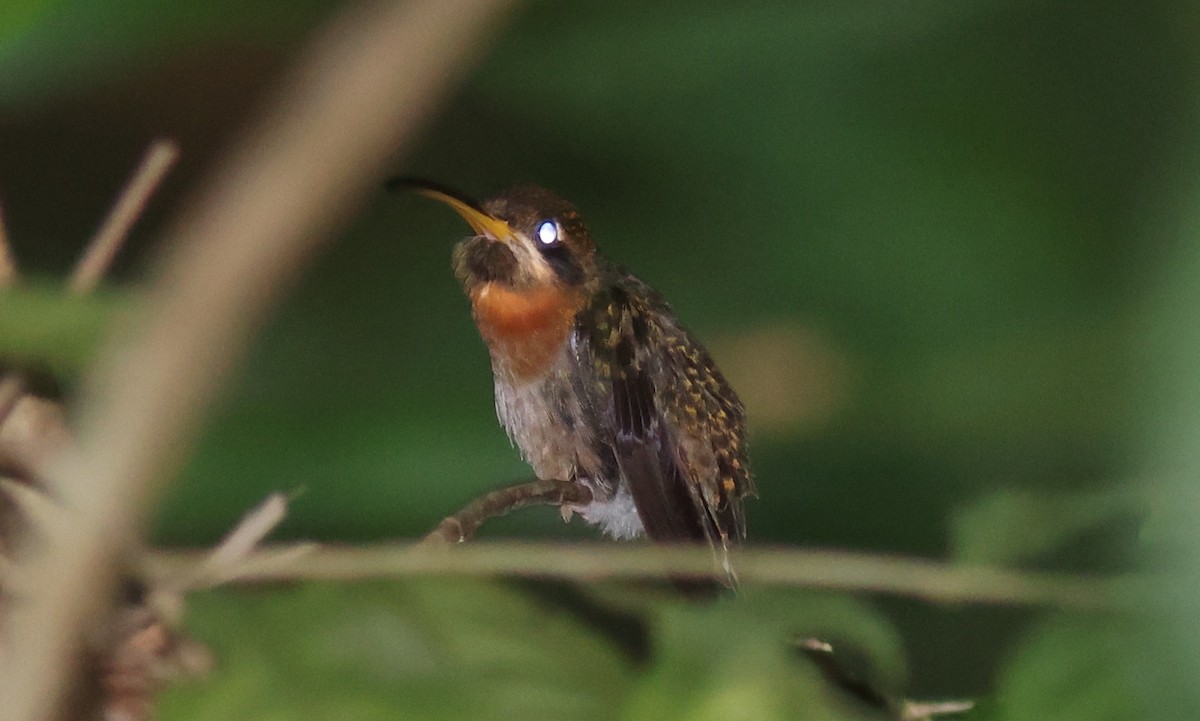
{"points": [[368, 83], [103, 247], [462, 525]]}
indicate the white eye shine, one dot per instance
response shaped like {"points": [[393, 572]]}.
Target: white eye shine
{"points": [[547, 232]]}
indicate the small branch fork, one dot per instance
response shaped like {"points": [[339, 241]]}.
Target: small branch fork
{"points": [[47, 417], [100, 251], [136, 648], [462, 525]]}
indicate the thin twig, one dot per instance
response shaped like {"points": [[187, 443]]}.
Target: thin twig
{"points": [[925, 710], [8, 264], [248, 533], [38, 510], [12, 387], [225, 561], [103, 247], [819, 569], [869, 693], [838, 674], [368, 83], [463, 525]]}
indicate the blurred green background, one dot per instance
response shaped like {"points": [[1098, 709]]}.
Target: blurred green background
{"points": [[943, 250]]}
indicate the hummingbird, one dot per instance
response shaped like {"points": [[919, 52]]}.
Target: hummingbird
{"points": [[595, 379]]}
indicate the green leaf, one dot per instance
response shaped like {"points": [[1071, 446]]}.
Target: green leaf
{"points": [[1168, 349], [852, 626], [441, 649], [416, 650], [1010, 525], [17, 15], [63, 44], [46, 326], [736, 659], [1071, 669]]}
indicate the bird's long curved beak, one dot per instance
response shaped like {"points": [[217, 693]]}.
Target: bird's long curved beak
{"points": [[480, 222]]}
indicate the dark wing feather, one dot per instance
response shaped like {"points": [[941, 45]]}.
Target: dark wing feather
{"points": [[641, 445], [653, 413]]}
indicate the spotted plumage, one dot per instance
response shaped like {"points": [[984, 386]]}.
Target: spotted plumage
{"points": [[596, 380]]}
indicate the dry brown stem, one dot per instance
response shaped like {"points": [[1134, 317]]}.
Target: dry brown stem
{"points": [[462, 525], [103, 247], [370, 80]]}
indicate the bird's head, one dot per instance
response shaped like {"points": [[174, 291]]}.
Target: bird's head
{"points": [[526, 238], [529, 268]]}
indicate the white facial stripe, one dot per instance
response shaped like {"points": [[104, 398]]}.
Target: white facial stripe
{"points": [[530, 258]]}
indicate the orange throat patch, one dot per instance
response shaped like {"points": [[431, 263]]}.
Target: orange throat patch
{"points": [[524, 330]]}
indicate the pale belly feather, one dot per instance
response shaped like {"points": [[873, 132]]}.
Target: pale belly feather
{"points": [[543, 418]]}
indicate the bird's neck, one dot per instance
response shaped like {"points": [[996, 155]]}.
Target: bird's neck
{"points": [[524, 329]]}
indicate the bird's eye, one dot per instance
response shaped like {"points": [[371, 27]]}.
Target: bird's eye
{"points": [[547, 234]]}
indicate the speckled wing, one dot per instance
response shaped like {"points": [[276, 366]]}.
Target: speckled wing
{"points": [[673, 424]]}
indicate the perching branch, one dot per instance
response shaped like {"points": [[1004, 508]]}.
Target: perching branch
{"points": [[930, 581], [462, 525]]}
